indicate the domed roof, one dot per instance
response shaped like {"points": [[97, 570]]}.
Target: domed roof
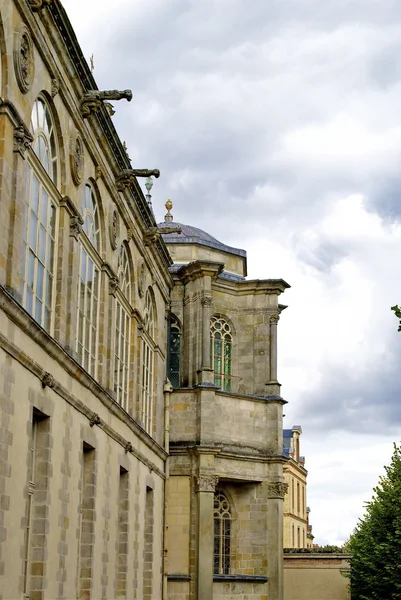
{"points": [[192, 235]]}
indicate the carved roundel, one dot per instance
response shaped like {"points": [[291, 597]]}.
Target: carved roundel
{"points": [[114, 228], [141, 280], [24, 65], [77, 159]]}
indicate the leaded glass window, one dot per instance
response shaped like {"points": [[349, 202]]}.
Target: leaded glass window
{"points": [[174, 341], [88, 284], [40, 219], [148, 365], [221, 344], [222, 534], [123, 330]]}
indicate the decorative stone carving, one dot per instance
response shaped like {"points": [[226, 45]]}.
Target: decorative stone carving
{"points": [[55, 87], [151, 236], [130, 234], [113, 285], [94, 99], [141, 280], [22, 139], [37, 5], [114, 229], [128, 447], [206, 483], [77, 159], [276, 489], [274, 319], [127, 177], [98, 173], [48, 380], [206, 301], [94, 420], [24, 65], [76, 224]]}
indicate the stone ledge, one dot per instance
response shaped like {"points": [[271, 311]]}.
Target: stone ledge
{"points": [[244, 578], [178, 577]]}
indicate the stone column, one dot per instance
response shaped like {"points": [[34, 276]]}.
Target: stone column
{"points": [[206, 485], [273, 348], [276, 491], [206, 310]]}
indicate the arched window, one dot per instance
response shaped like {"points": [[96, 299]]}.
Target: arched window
{"points": [[122, 330], [173, 354], [40, 218], [88, 283], [44, 138], [220, 342], [148, 364], [222, 534]]}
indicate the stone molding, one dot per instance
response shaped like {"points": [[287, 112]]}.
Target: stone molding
{"points": [[76, 226], [25, 322], [206, 483], [24, 65], [77, 159], [276, 489], [22, 140], [114, 228], [37, 5]]}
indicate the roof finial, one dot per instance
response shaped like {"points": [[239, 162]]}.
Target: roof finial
{"points": [[169, 206]]}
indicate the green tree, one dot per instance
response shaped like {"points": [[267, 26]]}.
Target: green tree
{"points": [[397, 311], [375, 545]]}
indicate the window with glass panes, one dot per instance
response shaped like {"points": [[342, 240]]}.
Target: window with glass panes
{"points": [[222, 534], [221, 343], [88, 283], [173, 364], [40, 218], [122, 330], [147, 352]]}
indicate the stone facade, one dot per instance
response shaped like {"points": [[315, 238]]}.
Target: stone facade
{"points": [[113, 482], [297, 529]]}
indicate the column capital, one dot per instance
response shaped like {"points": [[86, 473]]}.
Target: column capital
{"points": [[206, 483], [274, 319], [276, 489]]}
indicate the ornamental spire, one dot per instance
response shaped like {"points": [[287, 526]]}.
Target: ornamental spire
{"points": [[168, 216]]}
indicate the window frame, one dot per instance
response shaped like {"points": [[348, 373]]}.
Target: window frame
{"points": [[222, 540], [92, 255], [148, 347], [35, 243], [123, 312], [221, 364]]}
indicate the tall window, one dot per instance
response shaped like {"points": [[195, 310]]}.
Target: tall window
{"points": [[123, 330], [40, 218], [148, 365], [222, 534], [173, 355], [88, 283], [221, 341]]}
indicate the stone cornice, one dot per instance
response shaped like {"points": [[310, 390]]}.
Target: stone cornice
{"points": [[199, 268], [252, 287], [23, 320], [183, 448]]}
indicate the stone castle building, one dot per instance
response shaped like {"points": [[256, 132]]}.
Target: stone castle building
{"points": [[141, 417], [297, 530]]}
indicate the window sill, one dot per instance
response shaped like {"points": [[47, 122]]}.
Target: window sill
{"points": [[250, 578]]}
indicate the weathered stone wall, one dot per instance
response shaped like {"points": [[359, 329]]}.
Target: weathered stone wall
{"points": [[316, 577]]}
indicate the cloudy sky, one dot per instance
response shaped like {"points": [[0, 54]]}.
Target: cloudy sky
{"points": [[277, 128]]}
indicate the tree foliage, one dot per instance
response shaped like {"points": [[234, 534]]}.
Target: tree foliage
{"points": [[375, 545], [397, 311]]}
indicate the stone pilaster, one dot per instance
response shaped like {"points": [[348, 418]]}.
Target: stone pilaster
{"points": [[205, 488], [273, 348], [276, 491]]}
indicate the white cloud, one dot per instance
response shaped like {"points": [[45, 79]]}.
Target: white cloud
{"points": [[275, 127]]}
